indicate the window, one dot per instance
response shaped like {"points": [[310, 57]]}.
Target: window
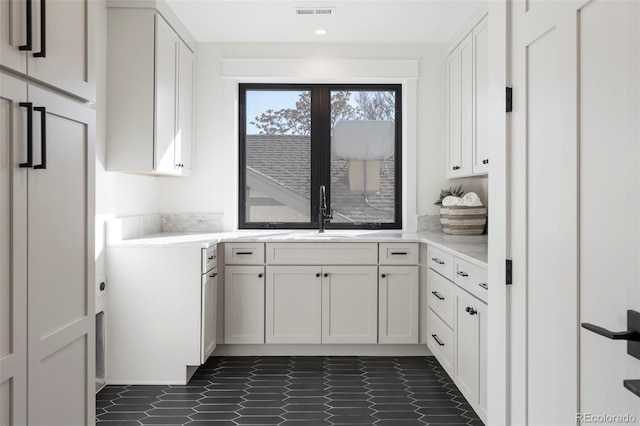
{"points": [[295, 138]]}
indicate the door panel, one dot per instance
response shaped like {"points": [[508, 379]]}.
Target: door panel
{"points": [[13, 34], [574, 207], [61, 321], [13, 252], [609, 167]]}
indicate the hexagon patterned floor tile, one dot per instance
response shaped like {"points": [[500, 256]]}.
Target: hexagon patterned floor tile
{"points": [[296, 391]]}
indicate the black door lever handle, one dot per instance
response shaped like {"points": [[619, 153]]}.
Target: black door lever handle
{"points": [[632, 335]]}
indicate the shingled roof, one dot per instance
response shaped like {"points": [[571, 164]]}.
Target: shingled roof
{"points": [[286, 161]]}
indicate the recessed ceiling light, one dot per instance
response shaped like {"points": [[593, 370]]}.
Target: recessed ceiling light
{"points": [[321, 32]]}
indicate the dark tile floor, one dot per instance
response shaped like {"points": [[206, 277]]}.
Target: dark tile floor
{"points": [[296, 391]]}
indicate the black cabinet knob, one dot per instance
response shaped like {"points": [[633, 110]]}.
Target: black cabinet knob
{"points": [[471, 311], [317, 275], [102, 286], [486, 161], [456, 167], [259, 275], [383, 275], [325, 275]]}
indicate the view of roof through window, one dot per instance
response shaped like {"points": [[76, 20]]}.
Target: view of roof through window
{"points": [[278, 151]]}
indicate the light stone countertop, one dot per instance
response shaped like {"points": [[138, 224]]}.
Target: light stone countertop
{"points": [[469, 247]]}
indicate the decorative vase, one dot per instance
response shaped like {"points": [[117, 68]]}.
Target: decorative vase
{"points": [[463, 220]]}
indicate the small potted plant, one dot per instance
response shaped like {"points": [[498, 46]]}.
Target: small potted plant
{"points": [[461, 219]]}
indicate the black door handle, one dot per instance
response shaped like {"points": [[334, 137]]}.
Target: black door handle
{"points": [[43, 138], [43, 32], [614, 335], [29, 107], [29, 45], [631, 335]]}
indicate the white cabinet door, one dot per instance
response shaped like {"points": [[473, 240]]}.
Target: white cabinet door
{"points": [[481, 400], [398, 304], [61, 319], [167, 43], [481, 97], [244, 304], [13, 252], [469, 315], [61, 52], [184, 110], [293, 304], [349, 304], [208, 319], [454, 154], [466, 106]]}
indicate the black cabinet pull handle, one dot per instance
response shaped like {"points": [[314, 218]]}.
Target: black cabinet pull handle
{"points": [[438, 261], [484, 285], [463, 274], [29, 45], [43, 32], [456, 167], [259, 275], [215, 274], [399, 253], [435, 337], [43, 138], [244, 253], [29, 107], [211, 257], [471, 311], [435, 293]]}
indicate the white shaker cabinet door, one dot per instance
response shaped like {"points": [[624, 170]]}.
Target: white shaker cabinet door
{"points": [[293, 304], [208, 319], [61, 319], [244, 304], [349, 304], [398, 304]]}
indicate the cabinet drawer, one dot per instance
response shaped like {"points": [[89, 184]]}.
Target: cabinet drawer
{"points": [[471, 278], [440, 297], [440, 341], [244, 253], [398, 253], [322, 253], [441, 262], [209, 258]]}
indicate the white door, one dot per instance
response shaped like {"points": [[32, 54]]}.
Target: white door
{"points": [[61, 317], [575, 192], [349, 304], [293, 304], [13, 252]]}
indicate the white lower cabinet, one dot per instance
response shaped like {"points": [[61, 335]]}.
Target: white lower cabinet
{"points": [[162, 313], [470, 330], [457, 327], [398, 304], [349, 304], [293, 304], [244, 304]]}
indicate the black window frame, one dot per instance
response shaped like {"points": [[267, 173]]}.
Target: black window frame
{"points": [[320, 153]]}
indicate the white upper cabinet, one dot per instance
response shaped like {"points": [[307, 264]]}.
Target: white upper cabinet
{"points": [[150, 103], [467, 84], [51, 41]]}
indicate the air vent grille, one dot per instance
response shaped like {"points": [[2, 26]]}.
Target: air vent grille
{"points": [[308, 11]]}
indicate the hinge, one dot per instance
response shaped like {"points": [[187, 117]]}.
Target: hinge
{"points": [[509, 99], [509, 272]]}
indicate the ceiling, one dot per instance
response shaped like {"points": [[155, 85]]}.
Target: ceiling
{"points": [[354, 21]]}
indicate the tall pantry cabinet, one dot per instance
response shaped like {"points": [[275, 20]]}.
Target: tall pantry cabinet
{"points": [[47, 318]]}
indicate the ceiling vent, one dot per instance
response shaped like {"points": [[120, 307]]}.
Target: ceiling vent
{"points": [[318, 11]]}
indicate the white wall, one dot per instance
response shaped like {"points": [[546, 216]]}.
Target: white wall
{"points": [[117, 194], [204, 191]]}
